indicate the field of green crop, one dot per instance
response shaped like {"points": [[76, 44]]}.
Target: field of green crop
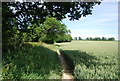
{"points": [[92, 59], [31, 61]]}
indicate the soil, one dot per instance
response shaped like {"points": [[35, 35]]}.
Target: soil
{"points": [[66, 71]]}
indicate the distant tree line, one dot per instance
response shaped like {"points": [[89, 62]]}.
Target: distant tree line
{"points": [[96, 38], [78, 38]]}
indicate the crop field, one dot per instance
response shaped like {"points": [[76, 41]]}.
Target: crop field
{"points": [[92, 59]]}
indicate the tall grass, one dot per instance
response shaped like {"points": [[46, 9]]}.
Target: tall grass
{"points": [[93, 59], [32, 61]]}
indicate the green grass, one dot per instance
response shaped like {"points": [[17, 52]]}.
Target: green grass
{"points": [[32, 61], [92, 59]]}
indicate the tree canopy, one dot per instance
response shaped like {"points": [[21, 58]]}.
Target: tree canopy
{"points": [[49, 31], [18, 16], [26, 13]]}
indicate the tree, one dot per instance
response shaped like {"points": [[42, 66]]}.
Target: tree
{"points": [[52, 29], [103, 38], [27, 13], [68, 38], [48, 31], [87, 38], [36, 32], [64, 38], [111, 39], [75, 38], [79, 38], [91, 38], [97, 38]]}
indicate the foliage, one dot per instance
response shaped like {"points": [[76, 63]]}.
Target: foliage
{"points": [[36, 32], [97, 38], [32, 61], [52, 29], [97, 62], [21, 15], [27, 13], [104, 38], [101, 39], [11, 42], [46, 32], [111, 39], [49, 31], [75, 38], [26, 37], [79, 38], [64, 38]]}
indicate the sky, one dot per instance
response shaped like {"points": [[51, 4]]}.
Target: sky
{"points": [[102, 23]]}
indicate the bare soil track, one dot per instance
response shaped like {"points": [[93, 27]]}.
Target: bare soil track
{"points": [[67, 75]]}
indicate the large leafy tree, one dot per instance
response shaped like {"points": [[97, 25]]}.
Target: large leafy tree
{"points": [[50, 30]]}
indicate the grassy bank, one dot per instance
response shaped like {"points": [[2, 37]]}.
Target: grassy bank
{"points": [[32, 61]]}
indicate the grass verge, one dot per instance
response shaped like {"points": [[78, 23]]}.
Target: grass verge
{"points": [[31, 61]]}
